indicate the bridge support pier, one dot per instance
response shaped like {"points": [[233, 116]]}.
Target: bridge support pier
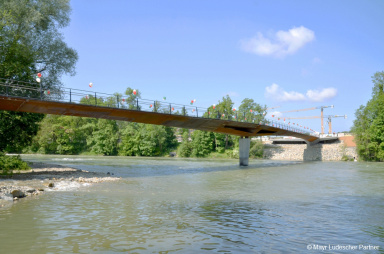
{"points": [[244, 146]]}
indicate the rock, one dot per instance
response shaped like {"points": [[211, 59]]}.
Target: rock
{"points": [[18, 194], [31, 190], [40, 189], [51, 185], [172, 154], [15, 198]]}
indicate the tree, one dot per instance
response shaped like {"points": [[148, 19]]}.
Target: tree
{"points": [[256, 149], [63, 134], [202, 143], [104, 139], [250, 111], [146, 140], [185, 148], [30, 42], [369, 124], [225, 108], [17, 130], [131, 99]]}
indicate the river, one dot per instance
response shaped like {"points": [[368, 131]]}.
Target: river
{"points": [[170, 205]]}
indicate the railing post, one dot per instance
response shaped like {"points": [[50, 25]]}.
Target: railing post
{"points": [[184, 110], [70, 95], [117, 100], [95, 100], [197, 113], [208, 113], [137, 103], [170, 108], [154, 106], [41, 91]]}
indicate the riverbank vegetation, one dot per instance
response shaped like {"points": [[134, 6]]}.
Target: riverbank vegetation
{"points": [[368, 127], [10, 163]]}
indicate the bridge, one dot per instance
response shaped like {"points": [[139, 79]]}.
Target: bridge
{"points": [[29, 97]]}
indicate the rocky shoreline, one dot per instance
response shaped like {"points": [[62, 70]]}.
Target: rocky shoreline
{"points": [[45, 177]]}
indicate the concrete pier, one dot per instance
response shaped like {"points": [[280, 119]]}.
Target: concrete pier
{"points": [[244, 146]]}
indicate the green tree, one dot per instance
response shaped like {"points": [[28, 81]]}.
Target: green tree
{"points": [[146, 140], [225, 108], [104, 139], [202, 143], [131, 99], [30, 43], [185, 148], [63, 134], [17, 130], [256, 149], [130, 139], [250, 111], [368, 127], [92, 100]]}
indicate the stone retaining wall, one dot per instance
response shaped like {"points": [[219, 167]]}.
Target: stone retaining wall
{"points": [[304, 152]]}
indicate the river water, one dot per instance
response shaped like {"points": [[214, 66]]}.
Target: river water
{"points": [[168, 205]]}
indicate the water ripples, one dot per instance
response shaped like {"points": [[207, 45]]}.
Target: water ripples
{"points": [[203, 207]]}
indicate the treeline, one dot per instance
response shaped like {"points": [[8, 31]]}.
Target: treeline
{"points": [[81, 135]]}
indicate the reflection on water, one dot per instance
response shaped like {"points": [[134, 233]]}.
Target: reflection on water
{"points": [[197, 206]]}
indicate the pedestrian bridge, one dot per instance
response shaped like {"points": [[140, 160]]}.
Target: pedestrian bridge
{"points": [[26, 97]]}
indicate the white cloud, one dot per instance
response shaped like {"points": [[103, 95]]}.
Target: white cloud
{"points": [[284, 42], [326, 93], [277, 93]]}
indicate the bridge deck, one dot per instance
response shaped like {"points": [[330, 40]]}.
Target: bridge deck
{"points": [[205, 124]]}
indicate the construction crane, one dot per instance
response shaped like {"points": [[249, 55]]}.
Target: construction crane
{"points": [[305, 109], [322, 127], [330, 122]]}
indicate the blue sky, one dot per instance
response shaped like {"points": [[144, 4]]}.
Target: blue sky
{"points": [[292, 54]]}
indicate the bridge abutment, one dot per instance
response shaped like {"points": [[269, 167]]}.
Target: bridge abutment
{"points": [[244, 146]]}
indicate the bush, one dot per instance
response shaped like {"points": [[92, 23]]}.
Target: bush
{"points": [[346, 158], [257, 149], [10, 163], [184, 149]]}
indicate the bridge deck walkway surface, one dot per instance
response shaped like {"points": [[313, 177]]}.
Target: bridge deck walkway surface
{"points": [[243, 129]]}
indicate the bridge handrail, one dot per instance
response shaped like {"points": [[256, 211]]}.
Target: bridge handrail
{"points": [[73, 95]]}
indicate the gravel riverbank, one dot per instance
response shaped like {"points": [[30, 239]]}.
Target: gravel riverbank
{"points": [[45, 177]]}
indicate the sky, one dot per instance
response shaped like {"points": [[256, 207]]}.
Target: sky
{"points": [[287, 55]]}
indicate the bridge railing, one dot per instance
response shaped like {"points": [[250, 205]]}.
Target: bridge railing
{"points": [[78, 96]]}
